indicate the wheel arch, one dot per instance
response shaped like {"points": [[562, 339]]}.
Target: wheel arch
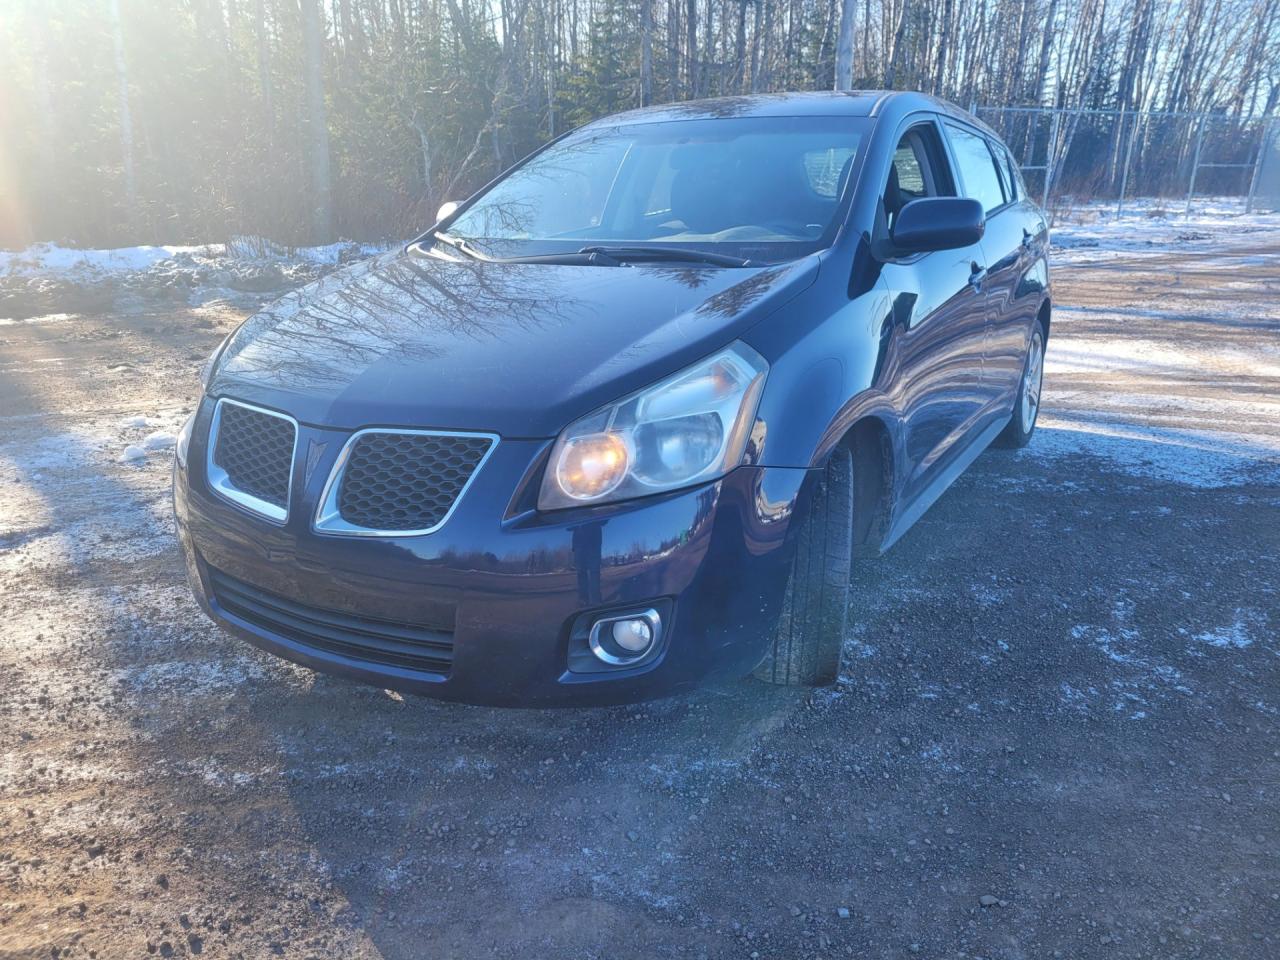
{"points": [[870, 442]]}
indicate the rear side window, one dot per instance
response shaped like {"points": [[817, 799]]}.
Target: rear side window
{"points": [[1009, 172], [1015, 176], [977, 167]]}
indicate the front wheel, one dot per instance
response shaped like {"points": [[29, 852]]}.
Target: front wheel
{"points": [[810, 632], [1026, 407]]}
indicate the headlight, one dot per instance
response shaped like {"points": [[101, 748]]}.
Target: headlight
{"points": [[210, 365], [689, 428]]}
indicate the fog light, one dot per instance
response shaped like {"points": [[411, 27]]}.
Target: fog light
{"points": [[634, 636], [619, 641]]}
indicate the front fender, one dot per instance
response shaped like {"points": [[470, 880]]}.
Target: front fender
{"points": [[825, 355]]}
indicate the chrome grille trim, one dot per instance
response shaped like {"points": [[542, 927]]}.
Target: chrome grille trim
{"points": [[328, 518], [220, 483]]}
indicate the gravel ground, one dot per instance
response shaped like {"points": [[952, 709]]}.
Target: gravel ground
{"points": [[1055, 736]]}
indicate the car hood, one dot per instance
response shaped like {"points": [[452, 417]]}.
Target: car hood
{"points": [[406, 339]]}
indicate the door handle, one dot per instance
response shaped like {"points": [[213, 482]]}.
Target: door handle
{"points": [[1027, 239], [977, 276]]}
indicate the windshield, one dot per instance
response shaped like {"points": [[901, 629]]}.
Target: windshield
{"points": [[760, 188]]}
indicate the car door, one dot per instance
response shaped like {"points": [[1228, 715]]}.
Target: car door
{"points": [[1015, 240], [1005, 242], [939, 316]]}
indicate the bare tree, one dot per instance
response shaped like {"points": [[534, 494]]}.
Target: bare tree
{"points": [[844, 45], [646, 52]]}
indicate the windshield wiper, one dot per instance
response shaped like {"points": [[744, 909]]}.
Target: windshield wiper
{"points": [[462, 246], [601, 256], [590, 257], [682, 254]]}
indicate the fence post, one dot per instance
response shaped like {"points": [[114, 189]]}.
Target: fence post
{"points": [[1264, 143], [1195, 163], [1128, 156], [1048, 160]]}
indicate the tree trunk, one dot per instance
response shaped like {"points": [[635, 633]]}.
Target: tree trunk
{"points": [[691, 48], [740, 47], [895, 56], [1046, 44], [317, 123], [760, 70], [646, 52], [844, 45], [755, 45], [940, 67], [264, 74]]}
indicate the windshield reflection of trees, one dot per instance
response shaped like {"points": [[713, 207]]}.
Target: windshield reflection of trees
{"points": [[602, 181], [569, 180]]}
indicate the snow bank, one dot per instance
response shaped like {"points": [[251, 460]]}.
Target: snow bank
{"points": [[46, 258], [46, 279], [43, 259]]}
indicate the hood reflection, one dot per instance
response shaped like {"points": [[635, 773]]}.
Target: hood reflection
{"points": [[395, 305], [516, 349]]}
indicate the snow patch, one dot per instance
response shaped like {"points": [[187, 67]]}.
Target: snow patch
{"points": [[159, 440], [1195, 458], [42, 259], [193, 677], [1151, 226], [1237, 635], [45, 318]]}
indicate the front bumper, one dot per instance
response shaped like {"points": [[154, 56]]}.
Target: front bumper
{"points": [[508, 586]]}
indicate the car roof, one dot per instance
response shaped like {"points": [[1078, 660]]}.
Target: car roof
{"points": [[876, 104]]}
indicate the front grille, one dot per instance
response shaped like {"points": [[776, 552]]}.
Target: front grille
{"points": [[254, 452], [397, 481], [389, 642]]}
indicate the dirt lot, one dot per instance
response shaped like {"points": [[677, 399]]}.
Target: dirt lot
{"points": [[1061, 698]]}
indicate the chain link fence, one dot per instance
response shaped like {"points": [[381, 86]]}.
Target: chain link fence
{"points": [[1074, 156]]}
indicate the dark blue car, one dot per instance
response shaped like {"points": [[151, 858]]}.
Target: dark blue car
{"points": [[620, 422]]}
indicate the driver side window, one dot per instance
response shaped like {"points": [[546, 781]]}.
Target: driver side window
{"points": [[917, 171]]}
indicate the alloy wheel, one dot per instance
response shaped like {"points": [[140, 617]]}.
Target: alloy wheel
{"points": [[1032, 379]]}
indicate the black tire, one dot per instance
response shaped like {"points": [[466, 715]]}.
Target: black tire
{"points": [[810, 633], [1025, 416]]}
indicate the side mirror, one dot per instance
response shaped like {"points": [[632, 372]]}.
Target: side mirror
{"points": [[446, 210], [938, 223]]}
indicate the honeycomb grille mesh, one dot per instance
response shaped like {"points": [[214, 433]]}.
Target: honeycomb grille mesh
{"points": [[256, 451], [406, 481]]}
